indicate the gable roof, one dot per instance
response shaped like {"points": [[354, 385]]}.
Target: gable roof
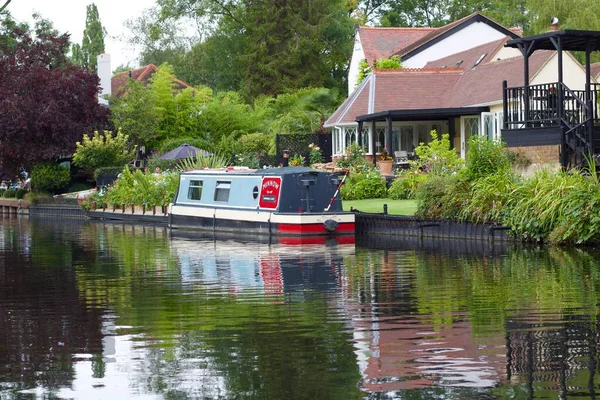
{"points": [[397, 89], [142, 75], [483, 84], [440, 84], [380, 43], [445, 31]]}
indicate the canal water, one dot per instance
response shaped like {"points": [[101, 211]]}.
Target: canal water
{"points": [[113, 311]]}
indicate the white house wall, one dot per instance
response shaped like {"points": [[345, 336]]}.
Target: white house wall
{"points": [[471, 36], [507, 52], [573, 73], [358, 54]]}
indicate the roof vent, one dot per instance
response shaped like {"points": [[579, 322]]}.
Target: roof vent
{"points": [[480, 59], [458, 64]]}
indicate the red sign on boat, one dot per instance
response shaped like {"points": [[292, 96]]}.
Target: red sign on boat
{"points": [[269, 192]]}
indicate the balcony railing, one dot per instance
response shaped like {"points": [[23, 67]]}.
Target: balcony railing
{"points": [[538, 105]]}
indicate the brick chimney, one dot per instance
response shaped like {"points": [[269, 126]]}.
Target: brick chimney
{"points": [[105, 75], [554, 24]]}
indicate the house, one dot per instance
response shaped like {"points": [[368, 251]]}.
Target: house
{"points": [[460, 93], [418, 46], [117, 84], [142, 75]]}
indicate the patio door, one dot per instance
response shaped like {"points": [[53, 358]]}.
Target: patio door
{"points": [[488, 125], [469, 126]]}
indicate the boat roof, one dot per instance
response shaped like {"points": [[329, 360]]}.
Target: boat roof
{"points": [[247, 171]]}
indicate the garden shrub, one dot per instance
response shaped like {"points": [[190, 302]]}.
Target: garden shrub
{"points": [[2, 192], [103, 150], [540, 204], [143, 189], [49, 177], [354, 158], [441, 196], [405, 186], [489, 197], [256, 143], [437, 157], [20, 193], [485, 158], [250, 160], [361, 185], [9, 194]]}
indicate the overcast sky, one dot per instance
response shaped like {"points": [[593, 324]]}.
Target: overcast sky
{"points": [[69, 16]]}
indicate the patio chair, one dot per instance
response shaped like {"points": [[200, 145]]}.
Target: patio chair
{"points": [[401, 159]]}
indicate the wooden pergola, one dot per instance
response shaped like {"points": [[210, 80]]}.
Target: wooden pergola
{"points": [[564, 40]]}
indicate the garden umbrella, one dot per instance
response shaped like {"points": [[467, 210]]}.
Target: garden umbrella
{"points": [[184, 151]]}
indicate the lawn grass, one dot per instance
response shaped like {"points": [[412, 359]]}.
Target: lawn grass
{"points": [[398, 207]]}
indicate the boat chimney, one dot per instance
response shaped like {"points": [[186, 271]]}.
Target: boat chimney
{"points": [[554, 24]]}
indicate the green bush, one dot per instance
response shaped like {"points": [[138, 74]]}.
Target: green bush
{"points": [[490, 196], [485, 158], [364, 185], [442, 196], [144, 189], [49, 177], [556, 206], [10, 194], [249, 160], [437, 157], [256, 143], [405, 186], [20, 193], [354, 159], [103, 150]]}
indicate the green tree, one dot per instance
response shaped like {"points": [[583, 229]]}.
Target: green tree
{"points": [[93, 40], [281, 45], [103, 150]]}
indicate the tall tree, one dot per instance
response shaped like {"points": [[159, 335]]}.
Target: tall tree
{"points": [[283, 44], [47, 103], [92, 45]]}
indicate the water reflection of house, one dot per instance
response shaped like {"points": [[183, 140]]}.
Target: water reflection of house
{"points": [[404, 351]]}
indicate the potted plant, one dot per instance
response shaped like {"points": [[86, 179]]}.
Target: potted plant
{"points": [[385, 163]]}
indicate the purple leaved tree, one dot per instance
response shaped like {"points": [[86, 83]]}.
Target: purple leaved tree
{"points": [[46, 103]]}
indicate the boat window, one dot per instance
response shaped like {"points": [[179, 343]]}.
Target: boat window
{"points": [[255, 192], [222, 191], [195, 190]]}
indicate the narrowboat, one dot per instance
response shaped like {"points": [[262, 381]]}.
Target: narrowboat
{"points": [[289, 201]]}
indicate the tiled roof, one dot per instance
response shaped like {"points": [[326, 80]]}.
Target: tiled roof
{"points": [[466, 59], [142, 74], [483, 84], [438, 87], [397, 90], [595, 69], [440, 31], [384, 42], [435, 33]]}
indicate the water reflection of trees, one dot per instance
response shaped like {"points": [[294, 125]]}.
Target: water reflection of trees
{"points": [[43, 320], [213, 334], [540, 304]]}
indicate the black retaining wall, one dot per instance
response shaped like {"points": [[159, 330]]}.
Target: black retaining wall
{"points": [[56, 207], [401, 225]]}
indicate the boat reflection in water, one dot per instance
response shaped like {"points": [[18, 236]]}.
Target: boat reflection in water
{"points": [[273, 264]]}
